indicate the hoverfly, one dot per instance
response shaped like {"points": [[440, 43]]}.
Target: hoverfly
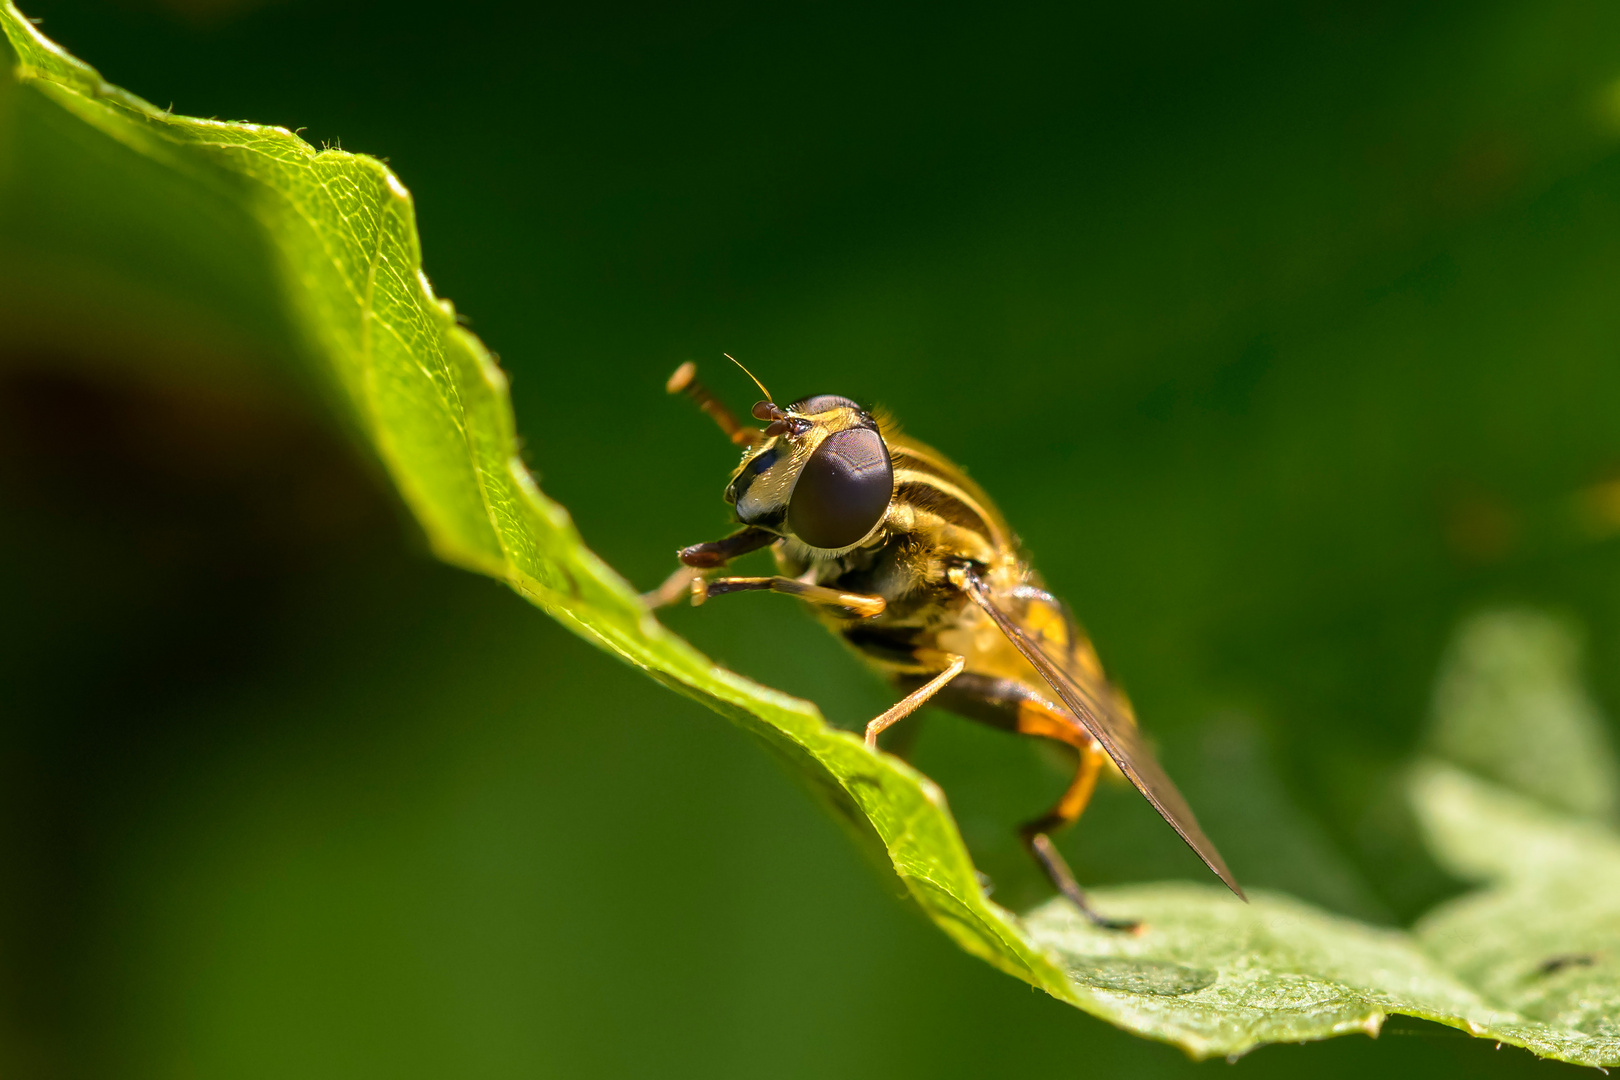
{"points": [[909, 562]]}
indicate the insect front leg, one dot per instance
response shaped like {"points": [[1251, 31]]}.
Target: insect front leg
{"points": [[676, 587], [684, 381], [716, 553], [698, 559]]}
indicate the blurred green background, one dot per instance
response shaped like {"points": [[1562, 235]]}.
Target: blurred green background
{"points": [[1285, 334]]}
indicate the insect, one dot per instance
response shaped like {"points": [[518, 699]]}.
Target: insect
{"points": [[909, 562]]}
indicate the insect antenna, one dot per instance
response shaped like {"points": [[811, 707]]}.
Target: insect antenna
{"points": [[766, 410], [750, 374]]}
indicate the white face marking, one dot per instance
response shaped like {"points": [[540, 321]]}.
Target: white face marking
{"points": [[770, 490]]}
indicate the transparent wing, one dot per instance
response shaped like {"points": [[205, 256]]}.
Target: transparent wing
{"points": [[1118, 736]]}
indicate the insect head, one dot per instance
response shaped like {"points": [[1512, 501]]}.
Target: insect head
{"points": [[821, 473]]}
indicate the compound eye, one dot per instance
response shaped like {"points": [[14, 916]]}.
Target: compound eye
{"points": [[819, 403], [843, 490]]}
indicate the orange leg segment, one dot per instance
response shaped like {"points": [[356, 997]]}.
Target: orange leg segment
{"points": [[1037, 718]]}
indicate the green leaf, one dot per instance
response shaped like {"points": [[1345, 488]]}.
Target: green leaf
{"points": [[197, 232], [1540, 939], [1510, 706]]}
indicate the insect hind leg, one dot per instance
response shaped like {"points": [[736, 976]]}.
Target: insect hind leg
{"points": [[1037, 838], [1013, 706]]}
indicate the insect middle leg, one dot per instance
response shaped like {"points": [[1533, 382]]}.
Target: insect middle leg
{"points": [[692, 582], [859, 603], [916, 699], [1009, 704]]}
